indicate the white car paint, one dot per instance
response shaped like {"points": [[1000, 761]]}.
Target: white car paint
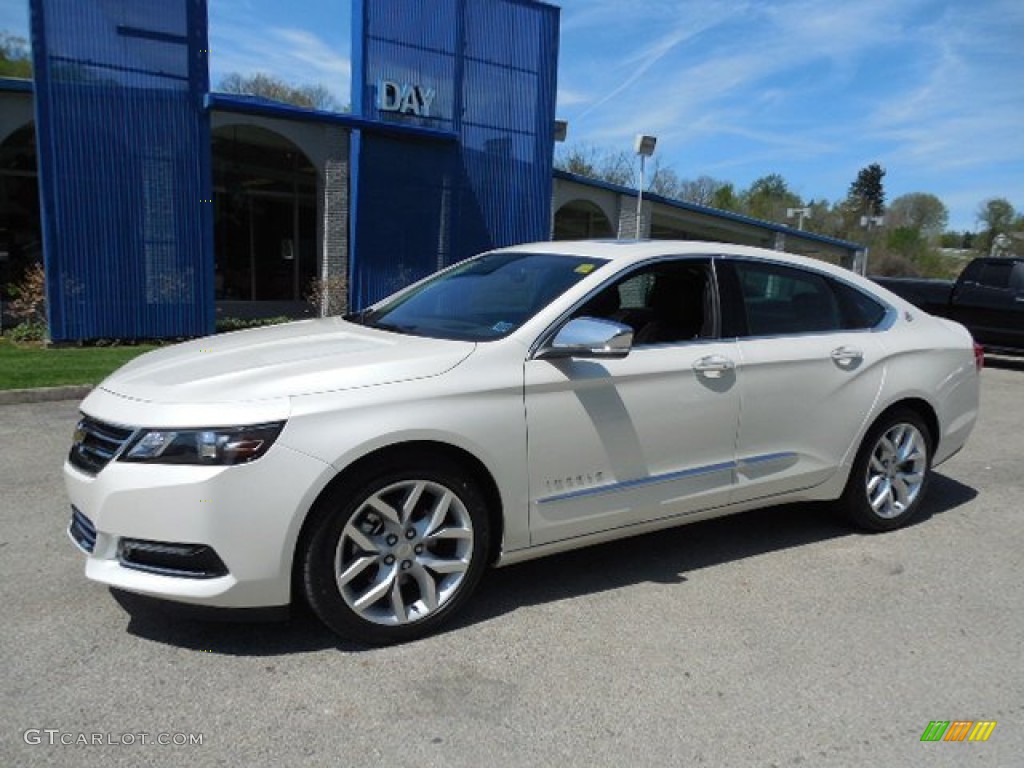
{"points": [[580, 451]]}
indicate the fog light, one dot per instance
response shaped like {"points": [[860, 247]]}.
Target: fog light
{"points": [[193, 561]]}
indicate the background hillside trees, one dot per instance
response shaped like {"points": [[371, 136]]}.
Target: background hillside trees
{"points": [[275, 89], [911, 239], [15, 56]]}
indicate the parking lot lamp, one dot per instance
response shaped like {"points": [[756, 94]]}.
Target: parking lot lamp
{"points": [[644, 147]]}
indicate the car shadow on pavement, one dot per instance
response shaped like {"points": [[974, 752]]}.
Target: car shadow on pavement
{"points": [[225, 632], [664, 557], [1005, 363]]}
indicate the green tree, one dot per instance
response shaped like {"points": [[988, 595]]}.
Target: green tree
{"points": [[996, 216], [578, 159], [619, 167], [905, 251], [726, 199], [919, 211], [867, 193], [882, 264], [275, 89], [827, 219], [15, 56], [704, 190], [664, 182], [613, 166], [768, 198], [957, 240]]}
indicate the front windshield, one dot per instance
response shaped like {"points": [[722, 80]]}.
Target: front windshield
{"points": [[482, 299]]}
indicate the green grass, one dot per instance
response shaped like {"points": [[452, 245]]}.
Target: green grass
{"points": [[22, 367]]}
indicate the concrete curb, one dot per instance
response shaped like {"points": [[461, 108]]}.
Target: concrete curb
{"points": [[44, 394]]}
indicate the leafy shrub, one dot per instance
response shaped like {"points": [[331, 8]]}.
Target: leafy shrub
{"points": [[29, 294], [27, 332], [328, 296], [226, 324]]}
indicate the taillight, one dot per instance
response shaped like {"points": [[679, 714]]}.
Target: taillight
{"points": [[979, 356]]}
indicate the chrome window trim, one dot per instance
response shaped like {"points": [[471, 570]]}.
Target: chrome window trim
{"points": [[888, 320]]}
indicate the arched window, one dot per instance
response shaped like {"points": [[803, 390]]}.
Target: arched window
{"points": [[264, 216], [581, 220]]}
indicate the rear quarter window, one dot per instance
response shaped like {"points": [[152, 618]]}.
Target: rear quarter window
{"points": [[858, 310], [780, 300]]}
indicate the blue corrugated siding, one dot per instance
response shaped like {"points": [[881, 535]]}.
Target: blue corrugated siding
{"points": [[124, 155], [493, 65]]}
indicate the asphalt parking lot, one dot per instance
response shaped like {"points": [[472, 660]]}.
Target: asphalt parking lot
{"points": [[774, 638]]}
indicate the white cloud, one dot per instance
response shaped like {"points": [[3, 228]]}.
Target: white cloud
{"points": [[928, 87], [243, 41], [967, 111]]}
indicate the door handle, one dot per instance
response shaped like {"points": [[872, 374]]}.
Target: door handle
{"points": [[713, 366], [846, 356]]}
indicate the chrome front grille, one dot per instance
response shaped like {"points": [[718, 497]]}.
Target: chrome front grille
{"points": [[96, 443]]}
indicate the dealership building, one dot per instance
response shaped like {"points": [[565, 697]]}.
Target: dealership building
{"points": [[156, 204]]}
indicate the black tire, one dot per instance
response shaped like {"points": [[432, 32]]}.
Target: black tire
{"points": [[892, 469], [391, 558]]}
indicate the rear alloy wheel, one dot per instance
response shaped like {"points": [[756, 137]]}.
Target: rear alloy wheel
{"points": [[399, 555], [890, 474]]}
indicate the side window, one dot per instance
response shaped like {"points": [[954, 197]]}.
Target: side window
{"points": [[664, 303], [995, 274], [1017, 278], [780, 300]]}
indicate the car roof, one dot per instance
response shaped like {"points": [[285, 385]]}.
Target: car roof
{"points": [[626, 251]]}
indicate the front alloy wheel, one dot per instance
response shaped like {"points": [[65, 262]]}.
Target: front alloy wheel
{"points": [[890, 474], [404, 553], [399, 557]]}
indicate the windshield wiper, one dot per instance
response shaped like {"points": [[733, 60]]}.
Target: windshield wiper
{"points": [[409, 330], [359, 318]]}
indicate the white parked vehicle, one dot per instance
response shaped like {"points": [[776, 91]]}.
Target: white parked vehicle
{"points": [[524, 402]]}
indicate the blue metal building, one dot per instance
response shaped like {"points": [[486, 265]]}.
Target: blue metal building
{"points": [[158, 206], [449, 152]]}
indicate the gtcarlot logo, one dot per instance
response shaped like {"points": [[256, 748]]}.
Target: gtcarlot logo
{"points": [[55, 736], [958, 730]]}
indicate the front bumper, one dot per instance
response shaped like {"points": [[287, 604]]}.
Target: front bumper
{"points": [[248, 516]]}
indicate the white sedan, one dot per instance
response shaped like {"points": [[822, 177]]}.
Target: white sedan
{"points": [[524, 402]]}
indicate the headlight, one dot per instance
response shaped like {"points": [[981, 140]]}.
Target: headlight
{"points": [[214, 446]]}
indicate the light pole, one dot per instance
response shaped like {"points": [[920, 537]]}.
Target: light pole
{"points": [[868, 222], [644, 146], [801, 213]]}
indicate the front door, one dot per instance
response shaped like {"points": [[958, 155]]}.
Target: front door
{"points": [[617, 442]]}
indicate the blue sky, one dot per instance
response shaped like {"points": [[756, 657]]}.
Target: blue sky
{"points": [[811, 89], [933, 90]]}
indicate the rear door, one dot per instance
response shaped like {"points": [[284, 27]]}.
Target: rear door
{"points": [[810, 371]]}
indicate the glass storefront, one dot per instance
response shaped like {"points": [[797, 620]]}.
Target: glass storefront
{"points": [[264, 216], [21, 243]]}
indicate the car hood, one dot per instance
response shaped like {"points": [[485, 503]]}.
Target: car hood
{"points": [[281, 361]]}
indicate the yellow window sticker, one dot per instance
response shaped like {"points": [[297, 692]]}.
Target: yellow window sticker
{"points": [[584, 269]]}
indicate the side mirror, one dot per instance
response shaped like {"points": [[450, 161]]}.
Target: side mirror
{"points": [[589, 337]]}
